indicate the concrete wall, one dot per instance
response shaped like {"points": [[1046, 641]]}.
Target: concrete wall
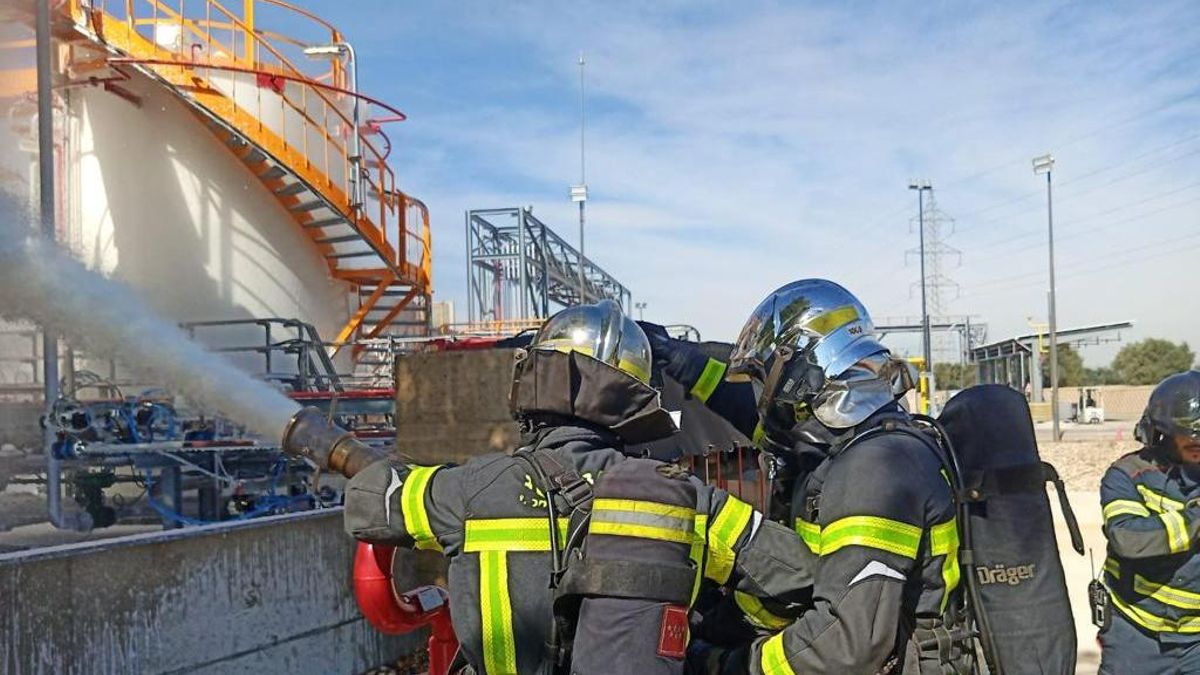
{"points": [[453, 405], [265, 596], [159, 202]]}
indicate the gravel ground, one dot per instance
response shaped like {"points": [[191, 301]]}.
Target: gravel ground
{"points": [[1082, 463]]}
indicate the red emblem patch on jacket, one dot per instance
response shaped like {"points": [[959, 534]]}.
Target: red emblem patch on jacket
{"points": [[673, 634]]}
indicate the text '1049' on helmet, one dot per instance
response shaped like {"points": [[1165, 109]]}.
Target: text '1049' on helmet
{"points": [[1173, 409], [811, 350]]}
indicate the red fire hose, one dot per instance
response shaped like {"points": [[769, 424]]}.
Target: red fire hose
{"points": [[398, 613]]}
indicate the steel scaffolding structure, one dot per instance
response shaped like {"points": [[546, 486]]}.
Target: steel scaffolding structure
{"points": [[520, 269]]}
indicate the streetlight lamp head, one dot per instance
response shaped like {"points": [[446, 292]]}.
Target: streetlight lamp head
{"points": [[920, 184], [332, 51], [1043, 164]]}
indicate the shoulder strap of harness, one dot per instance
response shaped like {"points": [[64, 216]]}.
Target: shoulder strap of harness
{"points": [[557, 480]]}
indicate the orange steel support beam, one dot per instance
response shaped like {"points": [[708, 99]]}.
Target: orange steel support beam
{"points": [[391, 315], [355, 321]]}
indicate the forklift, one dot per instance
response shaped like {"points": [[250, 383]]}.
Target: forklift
{"points": [[1090, 407]]}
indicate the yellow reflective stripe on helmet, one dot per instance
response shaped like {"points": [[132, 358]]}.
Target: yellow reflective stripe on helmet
{"points": [[566, 346], [1124, 507], [714, 372], [810, 533], [412, 503], [1113, 567], [495, 608], [1158, 502], [943, 540], [733, 517], [510, 534], [884, 534], [773, 660], [1153, 622], [832, 320], [1177, 534], [634, 369], [758, 615], [1168, 595]]}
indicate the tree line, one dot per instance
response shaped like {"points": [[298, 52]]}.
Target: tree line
{"points": [[1144, 362]]}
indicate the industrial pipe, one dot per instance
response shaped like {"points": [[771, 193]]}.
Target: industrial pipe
{"points": [[395, 613]]}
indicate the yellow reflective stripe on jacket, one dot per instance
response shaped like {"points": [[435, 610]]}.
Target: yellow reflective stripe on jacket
{"points": [[1168, 595], [943, 540], [1113, 567], [1123, 507], [884, 534], [758, 615], [733, 517], [495, 608], [706, 384], [758, 434], [510, 534], [1157, 501], [412, 503], [1153, 622], [810, 533], [1177, 534], [696, 554], [773, 660], [643, 519]]}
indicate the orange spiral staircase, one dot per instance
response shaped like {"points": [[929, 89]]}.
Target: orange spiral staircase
{"points": [[296, 122]]}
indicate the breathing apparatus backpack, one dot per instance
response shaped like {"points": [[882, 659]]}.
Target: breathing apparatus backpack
{"points": [[620, 603], [1015, 585]]}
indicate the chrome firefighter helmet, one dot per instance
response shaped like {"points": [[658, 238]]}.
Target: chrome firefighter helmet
{"points": [[1173, 409], [602, 332], [590, 362], [811, 352]]}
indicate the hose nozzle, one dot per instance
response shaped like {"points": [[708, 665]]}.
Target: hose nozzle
{"points": [[311, 435]]}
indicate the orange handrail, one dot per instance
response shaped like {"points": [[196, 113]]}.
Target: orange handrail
{"points": [[297, 114], [374, 173]]}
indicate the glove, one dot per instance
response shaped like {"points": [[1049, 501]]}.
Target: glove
{"points": [[681, 360], [660, 343], [368, 516]]}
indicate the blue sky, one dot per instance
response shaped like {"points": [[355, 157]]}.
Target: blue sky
{"points": [[732, 148]]}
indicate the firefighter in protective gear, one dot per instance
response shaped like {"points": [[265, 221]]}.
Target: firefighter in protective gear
{"points": [[580, 394], [1151, 502], [878, 510]]}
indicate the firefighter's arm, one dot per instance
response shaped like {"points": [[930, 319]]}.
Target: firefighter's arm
{"points": [[405, 505], [868, 540], [765, 564], [704, 379], [1134, 529]]}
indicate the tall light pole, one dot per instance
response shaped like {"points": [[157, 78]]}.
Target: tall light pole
{"points": [[640, 307], [1045, 164], [923, 186], [579, 192]]}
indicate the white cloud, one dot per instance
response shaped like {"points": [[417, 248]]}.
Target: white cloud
{"points": [[732, 150]]}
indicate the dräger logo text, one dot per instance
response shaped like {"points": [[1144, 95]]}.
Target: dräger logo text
{"points": [[1001, 574]]}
